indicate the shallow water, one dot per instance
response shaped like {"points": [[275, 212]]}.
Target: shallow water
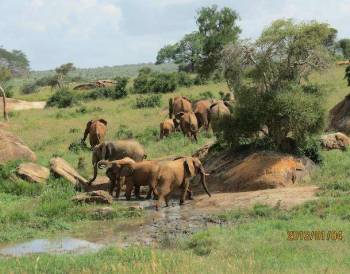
{"points": [[168, 223], [56, 246]]}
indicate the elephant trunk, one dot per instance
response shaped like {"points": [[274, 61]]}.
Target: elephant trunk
{"points": [[171, 108], [104, 164], [203, 180], [95, 174]]}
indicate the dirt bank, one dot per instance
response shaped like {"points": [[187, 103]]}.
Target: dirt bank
{"points": [[15, 104]]}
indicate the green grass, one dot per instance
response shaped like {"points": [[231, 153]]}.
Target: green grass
{"points": [[256, 241]]}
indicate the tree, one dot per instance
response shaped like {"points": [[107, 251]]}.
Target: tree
{"points": [[284, 54], [188, 52], [5, 75], [217, 29], [347, 74], [16, 61], [166, 54], [344, 45], [62, 72], [330, 42]]}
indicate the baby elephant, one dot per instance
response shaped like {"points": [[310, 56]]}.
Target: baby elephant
{"points": [[177, 173], [136, 174], [167, 127], [96, 129], [188, 124]]}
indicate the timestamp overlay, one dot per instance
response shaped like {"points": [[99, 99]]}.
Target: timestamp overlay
{"points": [[315, 235]]}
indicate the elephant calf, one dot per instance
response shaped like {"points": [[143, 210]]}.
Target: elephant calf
{"points": [[96, 129], [188, 124], [177, 174], [167, 127], [136, 174]]}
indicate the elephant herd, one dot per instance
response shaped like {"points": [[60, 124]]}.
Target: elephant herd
{"points": [[125, 162]]}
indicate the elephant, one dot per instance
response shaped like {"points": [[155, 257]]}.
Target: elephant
{"points": [[168, 126], [116, 151], [188, 124], [96, 129], [179, 104], [217, 110], [202, 111], [136, 174], [177, 173]]}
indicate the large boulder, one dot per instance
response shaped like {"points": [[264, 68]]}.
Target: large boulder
{"points": [[33, 173], [340, 116], [96, 197], [261, 170], [12, 148], [335, 141], [60, 167]]}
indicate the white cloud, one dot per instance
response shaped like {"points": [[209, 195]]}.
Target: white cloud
{"points": [[165, 3]]}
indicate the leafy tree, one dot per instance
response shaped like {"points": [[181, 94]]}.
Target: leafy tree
{"points": [[62, 71], [120, 87], [188, 52], [284, 54], [217, 29], [344, 45], [330, 42], [16, 61], [166, 54]]}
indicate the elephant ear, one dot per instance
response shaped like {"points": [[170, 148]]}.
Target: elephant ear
{"points": [[103, 121], [179, 115], [126, 170], [189, 168], [187, 99]]}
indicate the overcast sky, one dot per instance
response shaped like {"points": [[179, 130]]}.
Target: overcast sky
{"points": [[93, 33]]}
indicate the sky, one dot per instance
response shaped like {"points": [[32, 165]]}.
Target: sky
{"points": [[94, 33]]}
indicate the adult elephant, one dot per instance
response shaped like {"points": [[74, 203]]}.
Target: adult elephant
{"points": [[202, 111], [115, 151], [179, 104], [136, 174], [177, 173], [188, 124], [96, 129], [218, 110]]}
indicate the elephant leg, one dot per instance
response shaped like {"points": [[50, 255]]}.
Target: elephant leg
{"points": [[149, 193], [189, 194], [137, 191], [128, 190], [112, 185], [184, 192]]}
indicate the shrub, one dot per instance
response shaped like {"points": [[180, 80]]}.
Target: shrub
{"points": [[100, 93], [184, 79], [290, 112], [120, 88], [62, 98], [30, 88], [150, 101], [77, 147], [156, 82]]}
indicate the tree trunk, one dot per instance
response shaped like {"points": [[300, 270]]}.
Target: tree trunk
{"points": [[3, 94]]}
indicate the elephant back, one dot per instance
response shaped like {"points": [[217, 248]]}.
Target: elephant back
{"points": [[129, 148]]}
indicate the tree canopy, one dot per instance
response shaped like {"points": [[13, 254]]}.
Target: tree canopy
{"points": [[344, 45], [200, 50], [16, 61]]}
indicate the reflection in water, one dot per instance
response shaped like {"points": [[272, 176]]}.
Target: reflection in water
{"points": [[64, 245]]}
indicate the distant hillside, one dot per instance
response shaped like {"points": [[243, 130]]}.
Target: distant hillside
{"points": [[109, 72]]}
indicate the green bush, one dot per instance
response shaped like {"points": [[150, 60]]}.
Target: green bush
{"points": [[62, 98], [154, 82], [124, 132], [184, 79], [120, 88], [287, 113], [100, 93], [30, 88], [149, 101]]}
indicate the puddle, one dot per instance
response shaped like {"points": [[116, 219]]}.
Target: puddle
{"points": [[64, 245]]}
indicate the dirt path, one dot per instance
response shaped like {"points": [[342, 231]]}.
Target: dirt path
{"points": [[15, 104]]}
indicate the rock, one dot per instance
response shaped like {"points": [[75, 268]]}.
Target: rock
{"points": [[98, 197], [12, 148], [33, 173], [101, 183], [261, 170], [335, 141], [340, 116], [60, 167]]}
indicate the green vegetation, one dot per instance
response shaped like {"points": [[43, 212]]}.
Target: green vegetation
{"points": [[148, 101], [344, 45]]}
